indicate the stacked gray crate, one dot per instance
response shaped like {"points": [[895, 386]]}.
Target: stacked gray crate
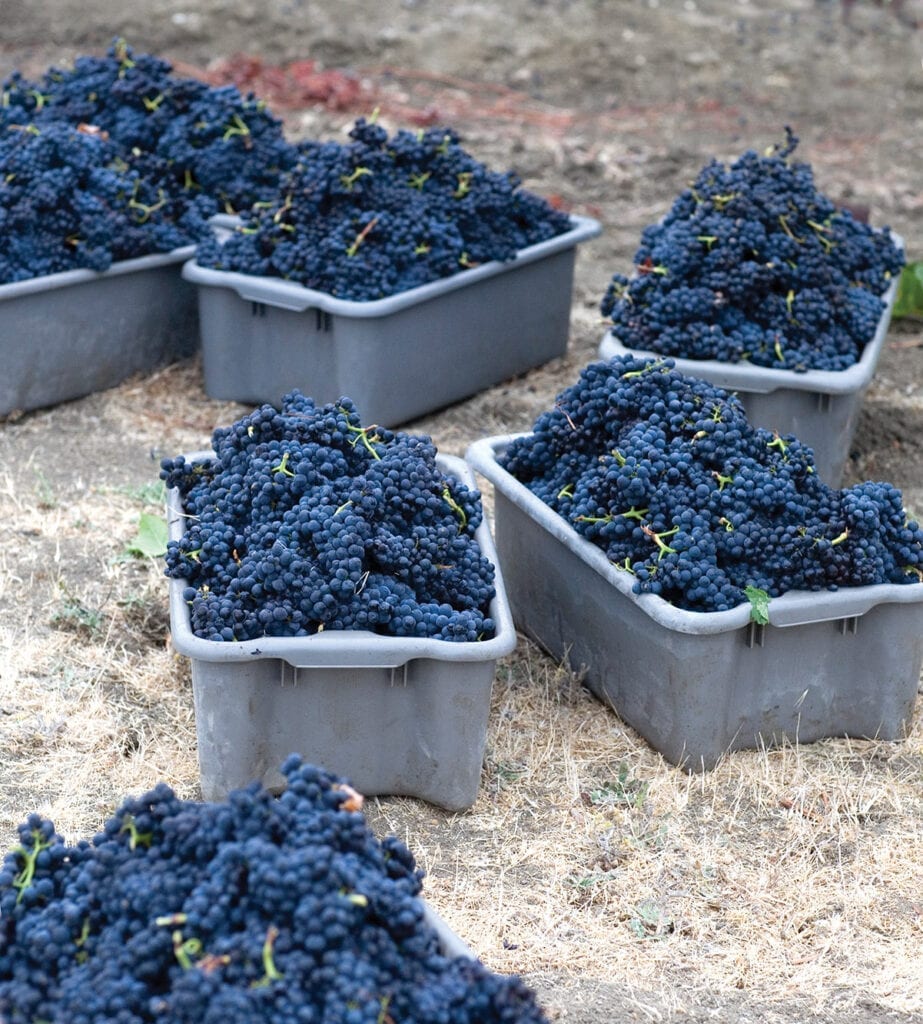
{"points": [[67, 335]]}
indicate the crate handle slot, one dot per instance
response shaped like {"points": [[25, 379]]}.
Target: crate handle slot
{"points": [[290, 675]]}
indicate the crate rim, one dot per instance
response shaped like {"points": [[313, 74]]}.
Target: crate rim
{"points": [[68, 278], [794, 608], [277, 292]]}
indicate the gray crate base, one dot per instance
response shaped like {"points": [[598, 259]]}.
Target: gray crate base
{"points": [[417, 730], [398, 357], [403, 716], [71, 334], [712, 683], [820, 407]]}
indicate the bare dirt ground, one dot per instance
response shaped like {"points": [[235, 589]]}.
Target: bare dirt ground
{"points": [[783, 886]]}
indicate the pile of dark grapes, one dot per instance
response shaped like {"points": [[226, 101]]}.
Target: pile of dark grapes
{"points": [[169, 153], [753, 264], [259, 908], [306, 521], [69, 201], [664, 473], [379, 215]]}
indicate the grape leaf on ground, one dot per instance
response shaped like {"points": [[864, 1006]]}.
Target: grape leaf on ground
{"points": [[151, 538], [909, 301]]}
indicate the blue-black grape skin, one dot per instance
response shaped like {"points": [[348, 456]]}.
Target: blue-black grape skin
{"points": [[665, 474], [753, 264], [304, 520], [119, 157], [256, 908], [379, 215]]}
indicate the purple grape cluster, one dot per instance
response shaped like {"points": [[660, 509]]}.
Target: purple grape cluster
{"points": [[68, 201], [117, 157], [257, 908], [664, 473], [305, 520], [380, 215], [753, 264]]}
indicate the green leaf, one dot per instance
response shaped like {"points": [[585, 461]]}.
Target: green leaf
{"points": [[151, 538], [759, 605], [909, 301]]}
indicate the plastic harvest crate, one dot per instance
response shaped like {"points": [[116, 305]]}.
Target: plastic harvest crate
{"points": [[397, 357], [67, 335], [449, 943], [820, 407], [397, 715], [698, 684]]}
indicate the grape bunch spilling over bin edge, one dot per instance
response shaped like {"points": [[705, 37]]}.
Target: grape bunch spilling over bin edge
{"points": [[380, 215], [360, 221], [307, 521], [258, 908], [753, 264], [118, 157], [666, 475]]}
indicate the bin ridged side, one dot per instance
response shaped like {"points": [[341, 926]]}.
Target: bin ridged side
{"points": [[695, 692], [78, 332], [419, 730]]}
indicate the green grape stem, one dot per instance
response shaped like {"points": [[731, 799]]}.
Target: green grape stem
{"points": [[650, 368], [464, 185], [363, 436], [24, 879], [783, 221], [239, 127], [135, 838], [361, 237], [185, 949], [348, 180], [456, 508], [664, 548], [270, 971]]}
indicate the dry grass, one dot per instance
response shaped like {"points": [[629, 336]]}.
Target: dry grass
{"points": [[781, 872]]}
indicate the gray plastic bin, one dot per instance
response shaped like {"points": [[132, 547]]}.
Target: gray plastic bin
{"points": [[820, 407], [449, 943], [396, 715], [398, 357], [67, 335], [698, 684]]}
